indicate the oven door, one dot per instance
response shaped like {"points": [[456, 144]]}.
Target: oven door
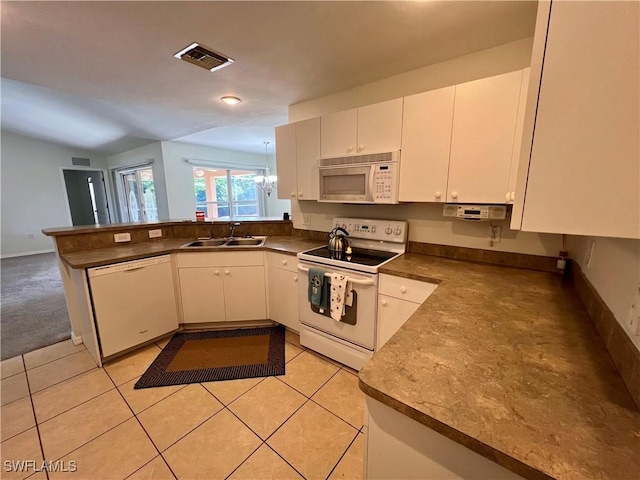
{"points": [[357, 326], [346, 184]]}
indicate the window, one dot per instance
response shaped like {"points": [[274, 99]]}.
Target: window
{"points": [[223, 193], [137, 195]]}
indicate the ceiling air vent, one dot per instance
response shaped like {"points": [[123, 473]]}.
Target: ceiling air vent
{"points": [[203, 57]]}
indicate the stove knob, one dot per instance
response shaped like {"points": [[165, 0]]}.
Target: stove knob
{"points": [[397, 231], [388, 230]]}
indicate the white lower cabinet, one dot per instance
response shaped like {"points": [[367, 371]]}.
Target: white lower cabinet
{"points": [[398, 299], [283, 290], [222, 286]]}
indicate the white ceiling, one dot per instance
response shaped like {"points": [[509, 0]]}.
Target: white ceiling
{"points": [[102, 76]]}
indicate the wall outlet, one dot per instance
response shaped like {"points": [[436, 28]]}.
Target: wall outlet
{"points": [[495, 234], [122, 237], [306, 219], [589, 255], [157, 233]]}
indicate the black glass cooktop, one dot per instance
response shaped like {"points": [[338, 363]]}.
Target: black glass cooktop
{"points": [[361, 256]]}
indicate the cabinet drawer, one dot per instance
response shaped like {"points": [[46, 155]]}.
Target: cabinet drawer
{"points": [[405, 288], [282, 261], [220, 259]]}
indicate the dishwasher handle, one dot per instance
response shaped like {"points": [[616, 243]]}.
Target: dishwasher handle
{"points": [[368, 281]]}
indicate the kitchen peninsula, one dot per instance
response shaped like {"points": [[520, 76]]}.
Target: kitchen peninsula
{"points": [[504, 363]]}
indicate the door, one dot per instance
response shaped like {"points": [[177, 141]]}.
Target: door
{"points": [[283, 297], [338, 133], [138, 195], [380, 127], [286, 161], [202, 295], [307, 155], [86, 196], [244, 293]]}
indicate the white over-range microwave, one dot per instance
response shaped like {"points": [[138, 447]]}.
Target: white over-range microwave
{"points": [[371, 178]]}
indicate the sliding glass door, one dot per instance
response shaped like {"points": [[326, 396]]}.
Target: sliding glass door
{"points": [[137, 195]]}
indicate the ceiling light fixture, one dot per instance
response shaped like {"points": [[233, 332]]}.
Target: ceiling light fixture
{"points": [[230, 100], [266, 182]]}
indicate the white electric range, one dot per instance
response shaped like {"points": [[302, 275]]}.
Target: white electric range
{"points": [[351, 340]]}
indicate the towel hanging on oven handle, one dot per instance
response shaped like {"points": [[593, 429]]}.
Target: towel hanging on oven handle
{"points": [[355, 281]]}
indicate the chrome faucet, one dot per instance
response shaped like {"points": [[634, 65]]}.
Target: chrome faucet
{"points": [[232, 228]]}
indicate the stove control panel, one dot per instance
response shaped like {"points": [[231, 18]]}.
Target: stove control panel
{"points": [[383, 230]]}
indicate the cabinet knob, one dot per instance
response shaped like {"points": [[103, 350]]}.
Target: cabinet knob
{"points": [[403, 289], [293, 194], [513, 196], [300, 194], [454, 194], [360, 148], [284, 262], [295, 278], [438, 194], [507, 197], [383, 303], [350, 149], [226, 272], [216, 272]]}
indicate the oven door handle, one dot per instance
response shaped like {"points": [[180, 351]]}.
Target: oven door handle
{"points": [[368, 281]]}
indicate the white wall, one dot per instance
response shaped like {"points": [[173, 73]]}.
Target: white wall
{"points": [[426, 223], [151, 152], [33, 195], [614, 273], [180, 194]]}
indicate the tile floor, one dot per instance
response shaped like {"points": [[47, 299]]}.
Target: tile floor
{"points": [[57, 406]]}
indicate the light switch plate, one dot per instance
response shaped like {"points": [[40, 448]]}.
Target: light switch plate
{"points": [[156, 233], [122, 237]]}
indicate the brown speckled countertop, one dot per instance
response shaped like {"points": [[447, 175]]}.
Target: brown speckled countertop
{"points": [[124, 253], [507, 362]]}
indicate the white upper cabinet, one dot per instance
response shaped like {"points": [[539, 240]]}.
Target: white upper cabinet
{"points": [[372, 129], [426, 140], [286, 161], [484, 125], [517, 142], [297, 154], [307, 155], [583, 156]]}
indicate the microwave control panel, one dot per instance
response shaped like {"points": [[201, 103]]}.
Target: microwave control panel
{"points": [[385, 183]]}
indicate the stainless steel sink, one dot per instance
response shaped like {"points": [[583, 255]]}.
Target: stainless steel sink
{"points": [[226, 242], [245, 242]]}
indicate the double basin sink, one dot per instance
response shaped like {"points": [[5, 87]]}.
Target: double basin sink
{"points": [[226, 242]]}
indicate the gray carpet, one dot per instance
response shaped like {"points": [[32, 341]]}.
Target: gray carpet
{"points": [[34, 313]]}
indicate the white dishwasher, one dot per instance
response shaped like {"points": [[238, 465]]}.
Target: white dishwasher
{"points": [[133, 302]]}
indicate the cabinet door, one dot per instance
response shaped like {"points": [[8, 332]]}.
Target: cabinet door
{"points": [[283, 297], [286, 161], [380, 127], [426, 141], [584, 173], [484, 122], [202, 294], [338, 133], [308, 153], [392, 313], [517, 141], [244, 293]]}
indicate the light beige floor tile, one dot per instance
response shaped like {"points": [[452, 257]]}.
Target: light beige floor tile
{"points": [[70, 430], [156, 469], [65, 395], [351, 465], [52, 352], [11, 366], [342, 396], [265, 464], [21, 447], [306, 373], [175, 416], [265, 407], [228, 390], [290, 351], [59, 370], [213, 450], [313, 440], [16, 417], [132, 365], [292, 337], [114, 455], [143, 398], [13, 388]]}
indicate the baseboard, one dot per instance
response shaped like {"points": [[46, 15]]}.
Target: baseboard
{"points": [[24, 254], [76, 340]]}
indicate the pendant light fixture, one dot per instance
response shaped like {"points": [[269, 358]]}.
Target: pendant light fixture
{"points": [[266, 182]]}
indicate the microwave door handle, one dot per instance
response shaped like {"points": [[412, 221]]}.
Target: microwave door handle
{"points": [[355, 281], [372, 179]]}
